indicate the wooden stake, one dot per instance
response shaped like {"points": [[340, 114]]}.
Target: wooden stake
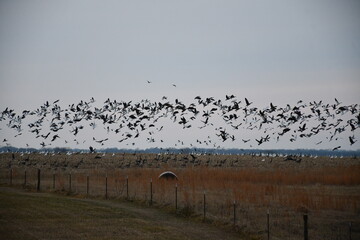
{"points": [[127, 187], [151, 192], [53, 181], [38, 180], [11, 173], [350, 230], [306, 237], [70, 183], [234, 213], [25, 178], [204, 206], [87, 185], [176, 189], [268, 224], [106, 187]]}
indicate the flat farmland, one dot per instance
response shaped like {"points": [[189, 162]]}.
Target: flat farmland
{"points": [[239, 191]]}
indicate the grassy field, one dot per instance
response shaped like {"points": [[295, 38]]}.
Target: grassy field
{"points": [[326, 189], [28, 215]]}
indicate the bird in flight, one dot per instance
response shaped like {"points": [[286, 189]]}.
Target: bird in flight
{"points": [[128, 118], [92, 150], [336, 148], [352, 140], [55, 137], [247, 102]]}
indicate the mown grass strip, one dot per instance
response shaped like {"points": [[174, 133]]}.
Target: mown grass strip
{"points": [[29, 215]]}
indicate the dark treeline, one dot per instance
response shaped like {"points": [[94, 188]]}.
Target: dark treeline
{"points": [[303, 152]]}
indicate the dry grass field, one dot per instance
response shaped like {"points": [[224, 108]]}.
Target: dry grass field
{"points": [[326, 189]]}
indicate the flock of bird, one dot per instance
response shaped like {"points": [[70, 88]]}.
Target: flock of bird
{"points": [[221, 119]]}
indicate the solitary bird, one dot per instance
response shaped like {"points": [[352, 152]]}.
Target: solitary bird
{"points": [[247, 102], [92, 150], [336, 148], [352, 140], [55, 137]]}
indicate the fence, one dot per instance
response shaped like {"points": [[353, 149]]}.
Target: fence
{"points": [[208, 205]]}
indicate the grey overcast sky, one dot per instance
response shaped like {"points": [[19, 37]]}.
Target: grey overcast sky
{"points": [[279, 50]]}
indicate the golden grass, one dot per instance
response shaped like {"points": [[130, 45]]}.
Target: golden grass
{"points": [[315, 189]]}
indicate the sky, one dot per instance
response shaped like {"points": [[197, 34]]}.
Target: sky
{"points": [[268, 51]]}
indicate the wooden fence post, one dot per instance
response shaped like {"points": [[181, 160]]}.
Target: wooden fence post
{"points": [[10, 176], [70, 183], [127, 187], [106, 187], [268, 224], [38, 180], [350, 230], [25, 178], [234, 212], [87, 185], [176, 189], [204, 205], [306, 227], [53, 185], [151, 192]]}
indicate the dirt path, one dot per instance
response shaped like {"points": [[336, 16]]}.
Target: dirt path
{"points": [[29, 215]]}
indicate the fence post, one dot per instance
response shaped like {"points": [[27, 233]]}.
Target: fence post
{"points": [[127, 187], [53, 185], [176, 189], [38, 180], [234, 212], [25, 178], [350, 230], [306, 227], [151, 192], [70, 183], [268, 224], [87, 185], [106, 187], [11, 173], [204, 205]]}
